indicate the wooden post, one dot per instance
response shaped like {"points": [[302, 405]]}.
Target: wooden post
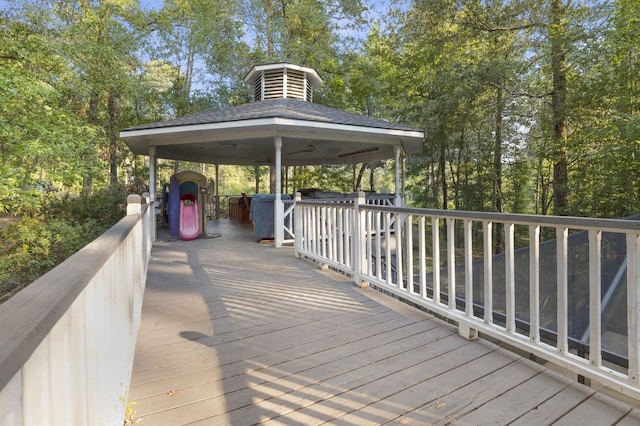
{"points": [[152, 189], [298, 231], [358, 237], [398, 200], [633, 306], [217, 193], [278, 216]]}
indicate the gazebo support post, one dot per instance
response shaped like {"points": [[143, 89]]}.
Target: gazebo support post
{"points": [[152, 189], [278, 216], [217, 192], [398, 189]]}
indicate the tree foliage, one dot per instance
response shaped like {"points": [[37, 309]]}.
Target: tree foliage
{"points": [[528, 106]]}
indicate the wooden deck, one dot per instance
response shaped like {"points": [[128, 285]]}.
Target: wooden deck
{"points": [[235, 332]]}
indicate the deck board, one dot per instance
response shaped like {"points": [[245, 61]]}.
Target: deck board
{"points": [[235, 332]]}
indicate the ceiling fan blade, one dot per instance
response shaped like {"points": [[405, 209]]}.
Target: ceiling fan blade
{"points": [[309, 148]]}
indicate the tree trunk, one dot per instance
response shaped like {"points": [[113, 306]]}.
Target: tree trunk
{"points": [[256, 174], [272, 179], [358, 183], [443, 172], [371, 179], [112, 134], [497, 167], [87, 179], [558, 107]]}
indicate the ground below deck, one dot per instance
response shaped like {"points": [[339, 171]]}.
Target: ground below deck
{"points": [[236, 332]]}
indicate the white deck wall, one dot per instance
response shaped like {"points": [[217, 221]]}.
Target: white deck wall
{"points": [[67, 348]]}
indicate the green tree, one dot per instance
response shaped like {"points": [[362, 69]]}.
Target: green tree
{"points": [[41, 138]]}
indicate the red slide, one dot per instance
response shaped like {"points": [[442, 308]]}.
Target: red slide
{"points": [[189, 219]]}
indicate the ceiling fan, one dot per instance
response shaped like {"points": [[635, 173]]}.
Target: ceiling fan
{"points": [[309, 148], [267, 160]]}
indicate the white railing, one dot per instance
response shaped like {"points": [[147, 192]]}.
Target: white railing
{"points": [[68, 340], [289, 207], [554, 299], [289, 235]]}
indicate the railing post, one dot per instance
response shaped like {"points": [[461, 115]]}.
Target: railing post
{"points": [[150, 230], [134, 204], [358, 236], [562, 259], [633, 306], [435, 254], [595, 297], [488, 271], [534, 284], [299, 232], [451, 263], [510, 278]]}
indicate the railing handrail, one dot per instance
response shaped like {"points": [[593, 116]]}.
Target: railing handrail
{"points": [[571, 222]]}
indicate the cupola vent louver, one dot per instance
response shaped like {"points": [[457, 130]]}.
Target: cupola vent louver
{"points": [[282, 81]]}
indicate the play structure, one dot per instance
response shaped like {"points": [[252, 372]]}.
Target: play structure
{"points": [[185, 204]]}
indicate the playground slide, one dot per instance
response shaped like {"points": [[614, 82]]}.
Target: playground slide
{"points": [[189, 217]]}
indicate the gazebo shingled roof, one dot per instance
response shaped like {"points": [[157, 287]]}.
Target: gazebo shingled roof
{"points": [[312, 134]]}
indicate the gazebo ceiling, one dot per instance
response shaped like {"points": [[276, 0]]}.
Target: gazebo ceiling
{"points": [[244, 135]]}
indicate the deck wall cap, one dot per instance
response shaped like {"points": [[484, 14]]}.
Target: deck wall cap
{"points": [[134, 204]]}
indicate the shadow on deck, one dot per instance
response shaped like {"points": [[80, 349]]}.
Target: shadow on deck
{"points": [[236, 332]]}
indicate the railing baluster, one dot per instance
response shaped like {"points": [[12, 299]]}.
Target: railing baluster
{"points": [[510, 278], [534, 284], [451, 262], [399, 257], [423, 257], [340, 232], [369, 242], [309, 228], [409, 257], [297, 218], [595, 298], [435, 233], [314, 233], [323, 231], [387, 254], [562, 235], [337, 231], [378, 246], [468, 268], [633, 306], [349, 219], [330, 231], [488, 272]]}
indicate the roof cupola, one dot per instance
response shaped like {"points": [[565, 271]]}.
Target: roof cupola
{"points": [[282, 81]]}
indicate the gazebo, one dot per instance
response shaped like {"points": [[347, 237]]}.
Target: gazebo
{"points": [[280, 127]]}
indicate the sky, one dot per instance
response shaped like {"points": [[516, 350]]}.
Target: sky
{"points": [[377, 11]]}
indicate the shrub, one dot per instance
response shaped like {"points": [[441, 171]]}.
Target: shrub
{"points": [[39, 242]]}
